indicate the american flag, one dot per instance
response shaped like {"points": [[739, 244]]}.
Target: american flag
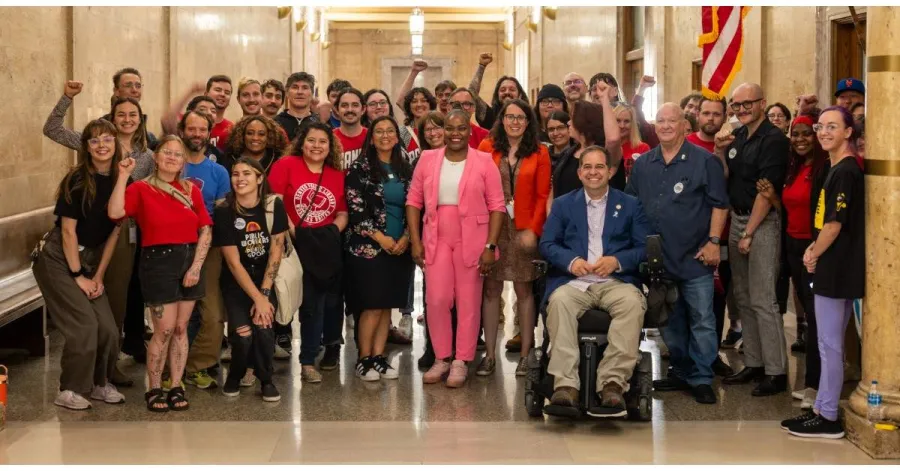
{"points": [[722, 40]]}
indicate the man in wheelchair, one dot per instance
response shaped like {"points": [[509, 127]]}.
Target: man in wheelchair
{"points": [[594, 241]]}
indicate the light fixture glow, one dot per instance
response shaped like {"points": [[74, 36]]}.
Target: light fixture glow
{"points": [[417, 41], [510, 30], [417, 21], [534, 19]]}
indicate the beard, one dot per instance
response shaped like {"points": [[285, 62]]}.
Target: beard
{"points": [[710, 129], [196, 145]]}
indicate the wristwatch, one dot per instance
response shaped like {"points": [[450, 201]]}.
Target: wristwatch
{"points": [[490, 246], [76, 274], [266, 292], [715, 240], [746, 235]]}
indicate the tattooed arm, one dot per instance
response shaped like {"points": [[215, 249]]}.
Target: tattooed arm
{"points": [[276, 251], [483, 61], [192, 277]]}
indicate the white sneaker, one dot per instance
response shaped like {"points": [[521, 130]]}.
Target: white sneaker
{"points": [[809, 399], [366, 371], [249, 379], [226, 354], [282, 354], [72, 400], [384, 368], [108, 394], [405, 326], [798, 394]]}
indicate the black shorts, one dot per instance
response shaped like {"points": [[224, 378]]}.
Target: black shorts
{"points": [[162, 274]]}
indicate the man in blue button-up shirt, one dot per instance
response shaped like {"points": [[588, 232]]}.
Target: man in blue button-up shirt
{"points": [[682, 188]]}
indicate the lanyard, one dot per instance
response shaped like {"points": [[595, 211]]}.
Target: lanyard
{"points": [[512, 175]]}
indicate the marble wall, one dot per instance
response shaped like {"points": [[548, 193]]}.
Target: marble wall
{"points": [[40, 48]]}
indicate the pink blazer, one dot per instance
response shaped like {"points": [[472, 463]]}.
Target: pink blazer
{"points": [[480, 192]]}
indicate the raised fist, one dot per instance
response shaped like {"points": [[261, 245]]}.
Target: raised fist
{"points": [[485, 58], [72, 88], [647, 81], [126, 167], [419, 65]]}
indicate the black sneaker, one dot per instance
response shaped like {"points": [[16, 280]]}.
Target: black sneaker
{"points": [[704, 394], [284, 341], [731, 339], [365, 369], [786, 424], [480, 346], [384, 368], [427, 359], [331, 359], [270, 392], [232, 387], [818, 427]]}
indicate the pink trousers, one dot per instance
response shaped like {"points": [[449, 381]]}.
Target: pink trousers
{"points": [[448, 279]]}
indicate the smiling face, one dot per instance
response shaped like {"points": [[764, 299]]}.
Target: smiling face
{"points": [[250, 99], [170, 157], [549, 105], [272, 100], [384, 136], [130, 86], [508, 91], [316, 145], [515, 120], [419, 105], [832, 133], [623, 118], [127, 118], [575, 87], [256, 137], [593, 170], [220, 92], [434, 134], [802, 139], [102, 148], [457, 131], [196, 133], [558, 133], [244, 180], [350, 109], [670, 124], [377, 106]]}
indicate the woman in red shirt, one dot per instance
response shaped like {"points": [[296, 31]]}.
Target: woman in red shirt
{"points": [[311, 184], [632, 146], [176, 235], [525, 173]]}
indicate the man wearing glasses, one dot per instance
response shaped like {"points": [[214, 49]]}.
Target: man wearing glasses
{"points": [[755, 151], [575, 88], [463, 99]]}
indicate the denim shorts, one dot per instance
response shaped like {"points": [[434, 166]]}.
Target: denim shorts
{"points": [[162, 273]]}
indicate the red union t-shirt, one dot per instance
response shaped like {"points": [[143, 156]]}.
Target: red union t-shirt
{"points": [[352, 146], [694, 138], [291, 178], [163, 219], [478, 134], [219, 134]]}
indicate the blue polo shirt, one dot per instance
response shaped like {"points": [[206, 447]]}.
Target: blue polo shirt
{"points": [[678, 198]]}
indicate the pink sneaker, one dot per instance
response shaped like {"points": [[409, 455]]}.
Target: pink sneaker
{"points": [[436, 372], [458, 372]]}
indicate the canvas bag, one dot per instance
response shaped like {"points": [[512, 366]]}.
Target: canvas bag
{"points": [[289, 281]]}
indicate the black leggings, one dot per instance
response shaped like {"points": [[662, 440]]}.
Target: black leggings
{"points": [[794, 249]]}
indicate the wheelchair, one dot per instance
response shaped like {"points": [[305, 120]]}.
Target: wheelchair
{"points": [[593, 328]]}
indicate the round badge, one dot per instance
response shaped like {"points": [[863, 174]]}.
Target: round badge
{"points": [[679, 187], [732, 153], [635, 156], [240, 224]]}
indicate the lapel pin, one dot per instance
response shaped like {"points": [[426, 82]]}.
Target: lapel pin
{"points": [[616, 214], [618, 206]]}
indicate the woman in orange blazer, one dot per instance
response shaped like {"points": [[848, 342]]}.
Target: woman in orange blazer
{"points": [[525, 172]]}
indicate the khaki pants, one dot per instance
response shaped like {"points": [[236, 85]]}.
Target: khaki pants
{"points": [[206, 347], [118, 276], [625, 304]]}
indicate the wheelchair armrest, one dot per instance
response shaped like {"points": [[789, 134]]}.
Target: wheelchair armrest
{"points": [[540, 267]]}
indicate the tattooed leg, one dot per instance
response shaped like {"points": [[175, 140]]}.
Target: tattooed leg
{"points": [[163, 327], [178, 350]]}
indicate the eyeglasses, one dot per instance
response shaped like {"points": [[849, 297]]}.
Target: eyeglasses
{"points": [[573, 82], [515, 118], [433, 131], [737, 105], [557, 129], [384, 132], [826, 127], [134, 85], [548, 102], [465, 104], [172, 153], [377, 104], [95, 141]]}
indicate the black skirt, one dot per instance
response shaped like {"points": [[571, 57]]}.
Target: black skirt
{"points": [[377, 283]]}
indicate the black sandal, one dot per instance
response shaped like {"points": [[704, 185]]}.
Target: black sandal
{"points": [[176, 395], [154, 398]]}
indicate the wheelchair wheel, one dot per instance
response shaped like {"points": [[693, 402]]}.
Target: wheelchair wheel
{"points": [[640, 408], [534, 404], [644, 410]]}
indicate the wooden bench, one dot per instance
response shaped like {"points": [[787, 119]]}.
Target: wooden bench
{"points": [[21, 325]]}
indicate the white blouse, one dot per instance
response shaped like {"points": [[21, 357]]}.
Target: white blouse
{"points": [[448, 189]]}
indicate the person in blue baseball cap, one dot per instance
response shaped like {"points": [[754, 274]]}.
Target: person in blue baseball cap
{"points": [[849, 92]]}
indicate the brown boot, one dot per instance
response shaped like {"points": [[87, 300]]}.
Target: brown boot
{"points": [[612, 396], [566, 396]]}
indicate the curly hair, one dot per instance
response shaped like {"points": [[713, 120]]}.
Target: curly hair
{"points": [[334, 159], [407, 103], [530, 139], [275, 139]]}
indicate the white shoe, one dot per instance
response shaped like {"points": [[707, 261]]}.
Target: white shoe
{"points": [[405, 326], [809, 399], [249, 379], [72, 400], [366, 372], [798, 394], [108, 394], [226, 354], [282, 354], [384, 368]]}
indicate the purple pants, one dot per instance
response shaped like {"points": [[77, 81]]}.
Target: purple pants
{"points": [[832, 316]]}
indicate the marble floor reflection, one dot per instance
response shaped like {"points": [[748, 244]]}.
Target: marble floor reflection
{"points": [[344, 419]]}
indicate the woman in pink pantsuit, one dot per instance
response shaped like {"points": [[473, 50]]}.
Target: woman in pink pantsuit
{"points": [[460, 191]]}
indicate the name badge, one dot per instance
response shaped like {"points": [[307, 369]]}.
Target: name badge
{"points": [[510, 209], [132, 234]]}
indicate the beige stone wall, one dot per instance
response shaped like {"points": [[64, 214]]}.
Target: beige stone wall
{"points": [[42, 47], [582, 40]]}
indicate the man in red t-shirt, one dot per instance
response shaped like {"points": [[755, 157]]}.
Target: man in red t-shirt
{"points": [[710, 120], [351, 133], [463, 98], [218, 87]]}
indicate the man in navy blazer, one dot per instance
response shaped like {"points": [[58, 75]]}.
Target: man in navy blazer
{"points": [[595, 240]]}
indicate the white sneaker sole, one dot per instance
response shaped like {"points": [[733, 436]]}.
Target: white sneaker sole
{"points": [[231, 394], [121, 400], [799, 395], [272, 399], [369, 378], [622, 413], [66, 406], [832, 436]]}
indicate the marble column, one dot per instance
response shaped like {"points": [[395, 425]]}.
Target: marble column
{"points": [[881, 310]]}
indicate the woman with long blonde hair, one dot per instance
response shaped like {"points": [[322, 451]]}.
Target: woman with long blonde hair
{"points": [[632, 146]]}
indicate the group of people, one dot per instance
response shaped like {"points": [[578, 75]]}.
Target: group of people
{"points": [[194, 226]]}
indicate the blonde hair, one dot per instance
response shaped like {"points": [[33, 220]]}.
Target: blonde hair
{"points": [[634, 136], [156, 182], [245, 82]]}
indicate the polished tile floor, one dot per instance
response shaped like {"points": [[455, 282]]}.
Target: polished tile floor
{"points": [[344, 419]]}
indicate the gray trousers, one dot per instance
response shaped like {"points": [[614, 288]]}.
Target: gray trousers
{"points": [[88, 327], [753, 282]]}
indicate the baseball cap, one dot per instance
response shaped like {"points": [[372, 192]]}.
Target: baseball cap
{"points": [[850, 85]]}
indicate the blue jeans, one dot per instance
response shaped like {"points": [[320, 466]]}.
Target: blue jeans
{"points": [[317, 311], [690, 334]]}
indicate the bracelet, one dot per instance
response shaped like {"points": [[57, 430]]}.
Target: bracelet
{"points": [[266, 292]]}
